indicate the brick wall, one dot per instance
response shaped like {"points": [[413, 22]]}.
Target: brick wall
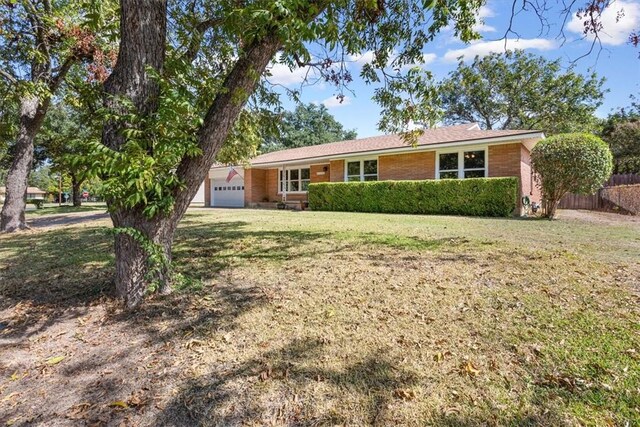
{"points": [[504, 160], [207, 191], [324, 177], [271, 178], [419, 165], [529, 187], [513, 160], [337, 170], [255, 189]]}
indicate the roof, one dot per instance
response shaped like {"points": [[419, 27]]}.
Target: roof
{"points": [[30, 190], [460, 133]]}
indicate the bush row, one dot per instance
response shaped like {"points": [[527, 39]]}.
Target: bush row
{"points": [[474, 196]]}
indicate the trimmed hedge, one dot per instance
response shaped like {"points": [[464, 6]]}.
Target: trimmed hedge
{"points": [[473, 197]]}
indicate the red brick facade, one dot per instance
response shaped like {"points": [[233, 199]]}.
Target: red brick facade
{"points": [[254, 186], [513, 159], [337, 170], [410, 166], [504, 160]]}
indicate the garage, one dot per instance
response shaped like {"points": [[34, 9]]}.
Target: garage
{"points": [[227, 188]]}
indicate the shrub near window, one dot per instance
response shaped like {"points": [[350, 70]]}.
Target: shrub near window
{"points": [[474, 197]]}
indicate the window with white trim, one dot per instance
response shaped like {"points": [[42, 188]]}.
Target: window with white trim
{"points": [[297, 180], [462, 164], [362, 170]]}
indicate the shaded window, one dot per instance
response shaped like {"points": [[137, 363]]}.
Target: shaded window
{"points": [[463, 164], [362, 170], [448, 165]]}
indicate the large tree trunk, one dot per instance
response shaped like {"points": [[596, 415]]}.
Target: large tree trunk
{"points": [[75, 188], [142, 256], [31, 117], [142, 42]]}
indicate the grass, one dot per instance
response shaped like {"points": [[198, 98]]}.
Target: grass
{"points": [[320, 318], [51, 208]]}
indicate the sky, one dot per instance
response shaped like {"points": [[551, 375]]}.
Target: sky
{"points": [[618, 62]]}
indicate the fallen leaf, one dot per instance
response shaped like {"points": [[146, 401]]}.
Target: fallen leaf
{"points": [[265, 375], [119, 404], [54, 360], [404, 393], [470, 369]]}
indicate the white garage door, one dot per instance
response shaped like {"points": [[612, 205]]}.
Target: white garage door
{"points": [[227, 194]]}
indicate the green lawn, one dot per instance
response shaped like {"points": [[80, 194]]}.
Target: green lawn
{"points": [[320, 318], [53, 208]]}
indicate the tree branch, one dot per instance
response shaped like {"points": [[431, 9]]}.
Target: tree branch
{"points": [[56, 80], [8, 76], [221, 116], [196, 40]]}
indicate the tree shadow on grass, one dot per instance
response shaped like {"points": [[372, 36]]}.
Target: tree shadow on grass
{"points": [[231, 395], [58, 274]]}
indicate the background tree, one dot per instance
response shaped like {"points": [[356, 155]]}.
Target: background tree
{"points": [[570, 163], [621, 131], [308, 124], [40, 41], [516, 90], [64, 140]]}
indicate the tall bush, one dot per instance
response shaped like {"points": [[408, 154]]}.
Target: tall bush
{"points": [[570, 163], [476, 197]]}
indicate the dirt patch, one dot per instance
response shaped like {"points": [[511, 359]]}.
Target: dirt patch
{"points": [[597, 217], [63, 220]]}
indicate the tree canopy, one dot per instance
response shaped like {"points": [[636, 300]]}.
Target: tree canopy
{"points": [[517, 90], [309, 124], [621, 131]]}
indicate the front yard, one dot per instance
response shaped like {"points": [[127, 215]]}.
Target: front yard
{"points": [[322, 318]]}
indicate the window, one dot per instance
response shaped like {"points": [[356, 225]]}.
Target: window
{"points": [[448, 165], [297, 180], [462, 164], [362, 170]]}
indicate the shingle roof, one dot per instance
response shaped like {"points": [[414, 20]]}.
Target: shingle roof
{"points": [[458, 133]]}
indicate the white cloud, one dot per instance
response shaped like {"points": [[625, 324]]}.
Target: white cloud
{"points": [[369, 56], [281, 74], [480, 25], [333, 102], [486, 12], [618, 21], [497, 46], [363, 58], [428, 58]]}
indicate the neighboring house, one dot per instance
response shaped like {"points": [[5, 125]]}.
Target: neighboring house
{"points": [[32, 193], [462, 151]]}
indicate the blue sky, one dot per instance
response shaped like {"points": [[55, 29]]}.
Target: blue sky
{"points": [[618, 61]]}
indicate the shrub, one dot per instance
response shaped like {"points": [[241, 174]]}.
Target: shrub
{"points": [[570, 163], [38, 203], [476, 197]]}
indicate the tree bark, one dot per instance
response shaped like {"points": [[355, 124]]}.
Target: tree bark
{"points": [[143, 27], [136, 268], [31, 117], [75, 188]]}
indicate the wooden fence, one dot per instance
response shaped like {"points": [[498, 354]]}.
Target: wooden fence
{"points": [[622, 179], [596, 201]]}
